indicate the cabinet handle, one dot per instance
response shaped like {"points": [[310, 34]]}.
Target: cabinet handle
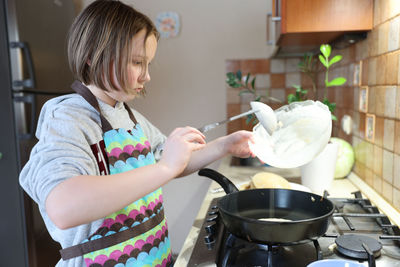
{"points": [[269, 41], [273, 19]]}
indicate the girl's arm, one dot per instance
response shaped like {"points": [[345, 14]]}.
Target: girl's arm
{"points": [[235, 144], [86, 198]]}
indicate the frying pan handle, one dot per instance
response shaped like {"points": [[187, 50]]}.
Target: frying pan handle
{"points": [[224, 182]]}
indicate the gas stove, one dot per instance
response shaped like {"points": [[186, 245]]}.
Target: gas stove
{"points": [[357, 232]]}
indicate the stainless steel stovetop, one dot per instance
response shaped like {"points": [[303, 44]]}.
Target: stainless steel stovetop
{"points": [[372, 239]]}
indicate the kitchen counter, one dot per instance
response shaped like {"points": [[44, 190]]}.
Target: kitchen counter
{"points": [[239, 175]]}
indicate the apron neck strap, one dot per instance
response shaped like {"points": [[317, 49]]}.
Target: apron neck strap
{"points": [[83, 91], [130, 113]]}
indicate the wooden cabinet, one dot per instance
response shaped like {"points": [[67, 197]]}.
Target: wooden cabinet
{"points": [[303, 24]]}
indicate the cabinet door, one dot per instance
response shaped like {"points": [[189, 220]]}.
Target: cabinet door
{"points": [[326, 15]]}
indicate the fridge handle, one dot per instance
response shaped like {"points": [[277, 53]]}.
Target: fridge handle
{"points": [[30, 82], [28, 99]]}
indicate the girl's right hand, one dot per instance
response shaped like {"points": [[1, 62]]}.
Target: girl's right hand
{"points": [[178, 148]]}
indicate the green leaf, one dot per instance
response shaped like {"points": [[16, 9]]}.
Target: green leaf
{"points": [[323, 61], [334, 118], [258, 98], [336, 82], [230, 75], [239, 75], [325, 50], [236, 85], [291, 98], [247, 78], [253, 82], [335, 59]]}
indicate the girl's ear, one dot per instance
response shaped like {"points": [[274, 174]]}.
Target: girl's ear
{"points": [[89, 62]]}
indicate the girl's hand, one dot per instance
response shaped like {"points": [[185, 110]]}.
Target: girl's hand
{"points": [[178, 148], [237, 144]]}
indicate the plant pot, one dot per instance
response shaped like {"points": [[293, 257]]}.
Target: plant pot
{"points": [[319, 173]]}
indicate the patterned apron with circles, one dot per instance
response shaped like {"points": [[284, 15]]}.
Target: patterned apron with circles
{"points": [[136, 235]]}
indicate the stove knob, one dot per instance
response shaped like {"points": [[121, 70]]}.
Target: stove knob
{"points": [[215, 207], [212, 219], [210, 227], [209, 239]]}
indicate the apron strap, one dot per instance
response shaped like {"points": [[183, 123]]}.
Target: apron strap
{"points": [[130, 113], [83, 91], [108, 241]]}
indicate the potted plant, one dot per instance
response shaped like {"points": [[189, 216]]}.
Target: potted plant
{"points": [[319, 173]]}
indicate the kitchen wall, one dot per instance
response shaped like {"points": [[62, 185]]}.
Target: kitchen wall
{"points": [[188, 81], [371, 66]]}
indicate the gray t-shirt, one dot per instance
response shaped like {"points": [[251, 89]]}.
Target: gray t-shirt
{"points": [[67, 126]]}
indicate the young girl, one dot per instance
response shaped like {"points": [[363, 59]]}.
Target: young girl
{"points": [[97, 170]]}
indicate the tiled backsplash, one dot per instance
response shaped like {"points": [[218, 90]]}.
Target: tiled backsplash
{"points": [[371, 66]]}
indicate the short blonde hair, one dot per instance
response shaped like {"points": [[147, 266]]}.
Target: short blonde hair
{"points": [[101, 35]]}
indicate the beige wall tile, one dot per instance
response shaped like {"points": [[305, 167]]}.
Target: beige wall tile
{"points": [[369, 177], [277, 65], [378, 156], [292, 78], [361, 50], [377, 185], [398, 102], [371, 71], [379, 97], [369, 150], [396, 171], [291, 64], [394, 8], [356, 124], [396, 198], [397, 137], [383, 36], [385, 10], [373, 42], [390, 101], [278, 94], [361, 127], [263, 81], [387, 191], [377, 12], [372, 91], [394, 34], [356, 97], [391, 68], [379, 130], [381, 70], [388, 158], [388, 134]]}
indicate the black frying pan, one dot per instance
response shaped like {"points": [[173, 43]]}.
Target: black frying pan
{"points": [[240, 212]]}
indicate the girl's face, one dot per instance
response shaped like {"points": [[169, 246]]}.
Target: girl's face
{"points": [[138, 73]]}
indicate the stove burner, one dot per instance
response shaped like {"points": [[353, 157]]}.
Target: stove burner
{"points": [[352, 246]]}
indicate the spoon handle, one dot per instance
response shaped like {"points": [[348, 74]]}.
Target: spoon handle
{"points": [[208, 127]]}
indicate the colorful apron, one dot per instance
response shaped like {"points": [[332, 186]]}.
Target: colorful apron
{"points": [[136, 235]]}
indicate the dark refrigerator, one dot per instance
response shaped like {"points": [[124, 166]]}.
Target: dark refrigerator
{"points": [[34, 68]]}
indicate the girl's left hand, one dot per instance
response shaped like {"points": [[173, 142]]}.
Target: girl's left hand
{"points": [[237, 144]]}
